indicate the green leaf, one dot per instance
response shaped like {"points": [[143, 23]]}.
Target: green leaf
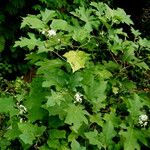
{"points": [[57, 110], [76, 146], [104, 74], [53, 76], [48, 15], [93, 138], [57, 134], [54, 143], [55, 98], [95, 90], [120, 15], [85, 15], [59, 24], [30, 42], [13, 132], [80, 34], [75, 80], [30, 132], [108, 131], [134, 104], [145, 43], [135, 32], [33, 22], [130, 139], [112, 66], [4, 143], [7, 105], [35, 99], [96, 118], [76, 116], [77, 59], [142, 65]]}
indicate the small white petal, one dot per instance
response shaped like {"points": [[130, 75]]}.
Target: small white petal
{"points": [[43, 32], [78, 97], [143, 117], [51, 32]]}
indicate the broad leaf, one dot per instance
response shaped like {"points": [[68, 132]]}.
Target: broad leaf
{"points": [[7, 105], [77, 59], [76, 146], [80, 34], [33, 22], [76, 116], [55, 98], [30, 132], [93, 138], [59, 24], [57, 134], [130, 139], [30, 42], [48, 15], [85, 15]]}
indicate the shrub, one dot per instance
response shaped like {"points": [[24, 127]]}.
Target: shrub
{"points": [[88, 92]]}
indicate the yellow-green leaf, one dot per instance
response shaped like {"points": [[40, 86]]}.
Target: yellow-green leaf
{"points": [[77, 59]]}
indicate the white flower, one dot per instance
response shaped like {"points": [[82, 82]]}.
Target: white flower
{"points": [[43, 32], [51, 32], [78, 97], [143, 117], [143, 120], [22, 109]]}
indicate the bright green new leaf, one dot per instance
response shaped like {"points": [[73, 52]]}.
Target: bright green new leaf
{"points": [[120, 15], [135, 32], [145, 43], [76, 116], [77, 59]]}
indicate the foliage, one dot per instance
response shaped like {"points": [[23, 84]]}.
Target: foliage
{"points": [[87, 93]]}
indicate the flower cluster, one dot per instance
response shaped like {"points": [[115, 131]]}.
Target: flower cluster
{"points": [[78, 97], [22, 109], [143, 120], [49, 33]]}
